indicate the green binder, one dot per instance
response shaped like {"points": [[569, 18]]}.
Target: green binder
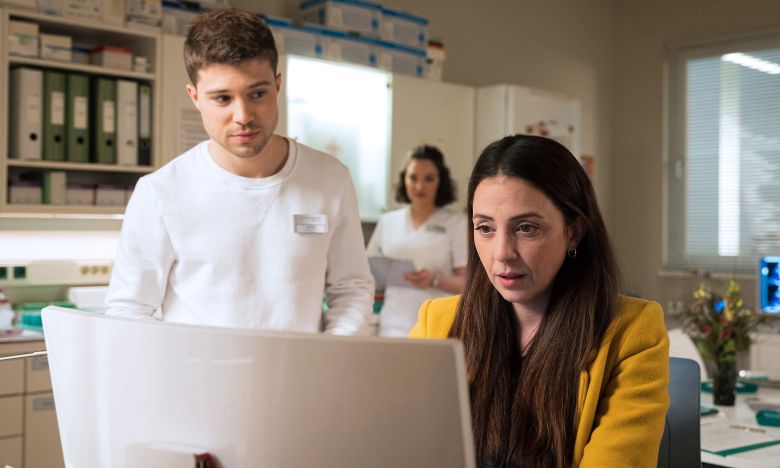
{"points": [[103, 121], [53, 116], [77, 118]]}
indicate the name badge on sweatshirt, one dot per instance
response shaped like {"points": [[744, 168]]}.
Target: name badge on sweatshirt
{"points": [[311, 224]]}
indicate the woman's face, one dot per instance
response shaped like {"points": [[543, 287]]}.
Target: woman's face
{"points": [[521, 238], [422, 181]]}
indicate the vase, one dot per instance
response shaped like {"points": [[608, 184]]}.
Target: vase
{"points": [[724, 383]]}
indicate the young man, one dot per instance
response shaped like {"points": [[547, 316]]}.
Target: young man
{"points": [[247, 229]]}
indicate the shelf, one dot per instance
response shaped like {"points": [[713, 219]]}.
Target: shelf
{"points": [[73, 166], [71, 23], [54, 210], [91, 69], [89, 35]]}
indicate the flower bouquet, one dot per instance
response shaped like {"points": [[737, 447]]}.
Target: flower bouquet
{"points": [[721, 326]]}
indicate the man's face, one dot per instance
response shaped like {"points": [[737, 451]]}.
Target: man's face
{"points": [[238, 105]]}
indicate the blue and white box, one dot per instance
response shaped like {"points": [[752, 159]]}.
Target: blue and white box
{"points": [[397, 58], [404, 28], [177, 16], [306, 41], [344, 47], [358, 16]]}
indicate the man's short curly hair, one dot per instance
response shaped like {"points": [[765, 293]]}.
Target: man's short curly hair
{"points": [[227, 36]]}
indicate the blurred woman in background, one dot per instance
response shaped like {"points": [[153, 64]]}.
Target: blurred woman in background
{"points": [[432, 236]]}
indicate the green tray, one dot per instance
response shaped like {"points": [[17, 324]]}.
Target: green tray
{"points": [[742, 387]]}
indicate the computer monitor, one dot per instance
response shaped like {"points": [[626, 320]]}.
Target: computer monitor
{"points": [[769, 285], [255, 398]]}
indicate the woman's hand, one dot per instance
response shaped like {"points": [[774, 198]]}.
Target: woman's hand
{"points": [[421, 279]]}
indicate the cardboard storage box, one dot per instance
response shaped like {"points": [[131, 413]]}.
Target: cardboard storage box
{"points": [[401, 59], [306, 41], [23, 38], [112, 57], [404, 28], [80, 194], [349, 48], [56, 47], [25, 192], [358, 16], [110, 195]]}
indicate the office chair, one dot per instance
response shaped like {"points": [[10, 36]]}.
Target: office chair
{"points": [[681, 442]]}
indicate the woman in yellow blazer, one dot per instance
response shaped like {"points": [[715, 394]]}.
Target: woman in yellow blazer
{"points": [[563, 370]]}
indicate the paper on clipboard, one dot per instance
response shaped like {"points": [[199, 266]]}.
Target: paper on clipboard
{"points": [[390, 271], [722, 438]]}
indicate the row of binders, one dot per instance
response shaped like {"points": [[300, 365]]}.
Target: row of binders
{"points": [[57, 116]]}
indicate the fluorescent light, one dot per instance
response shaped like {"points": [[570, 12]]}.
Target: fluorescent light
{"points": [[751, 62]]}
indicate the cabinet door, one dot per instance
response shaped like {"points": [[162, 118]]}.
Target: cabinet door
{"points": [[11, 452], [11, 416], [38, 379], [181, 126], [42, 448], [503, 110], [434, 113], [11, 377], [764, 352]]}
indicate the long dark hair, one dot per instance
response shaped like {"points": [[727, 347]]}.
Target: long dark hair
{"points": [[524, 407], [445, 194]]}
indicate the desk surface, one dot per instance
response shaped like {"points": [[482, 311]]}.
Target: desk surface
{"points": [[741, 413]]}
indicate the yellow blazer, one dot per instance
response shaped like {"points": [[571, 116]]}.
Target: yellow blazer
{"points": [[622, 396]]}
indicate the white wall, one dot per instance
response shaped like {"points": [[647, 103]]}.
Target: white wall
{"points": [[643, 30], [560, 45]]}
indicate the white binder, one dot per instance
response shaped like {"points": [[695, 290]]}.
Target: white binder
{"points": [[127, 123], [25, 113]]}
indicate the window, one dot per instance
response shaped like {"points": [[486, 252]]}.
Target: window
{"points": [[722, 202]]}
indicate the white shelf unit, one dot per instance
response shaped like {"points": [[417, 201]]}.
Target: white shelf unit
{"points": [[141, 42]]}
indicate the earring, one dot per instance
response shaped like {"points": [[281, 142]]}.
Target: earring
{"points": [[571, 253]]}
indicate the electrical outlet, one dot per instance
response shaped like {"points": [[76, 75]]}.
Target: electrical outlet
{"points": [[65, 272]]}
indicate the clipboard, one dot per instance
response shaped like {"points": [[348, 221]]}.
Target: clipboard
{"points": [[390, 271]]}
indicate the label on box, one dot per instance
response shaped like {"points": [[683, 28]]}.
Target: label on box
{"points": [[80, 112], [145, 130], [32, 108], [43, 403], [108, 117], [58, 108]]}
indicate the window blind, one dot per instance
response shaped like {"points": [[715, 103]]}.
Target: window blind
{"points": [[723, 165]]}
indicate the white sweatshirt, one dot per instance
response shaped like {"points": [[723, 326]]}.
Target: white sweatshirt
{"points": [[206, 246]]}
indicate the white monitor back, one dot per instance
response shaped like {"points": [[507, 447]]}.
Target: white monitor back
{"points": [[255, 398]]}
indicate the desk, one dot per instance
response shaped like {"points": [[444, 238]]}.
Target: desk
{"points": [[741, 413]]}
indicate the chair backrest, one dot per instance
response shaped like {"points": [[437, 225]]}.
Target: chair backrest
{"points": [[681, 442]]}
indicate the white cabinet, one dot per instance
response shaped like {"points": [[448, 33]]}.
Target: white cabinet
{"points": [[764, 352], [181, 127], [508, 109], [434, 113], [111, 176], [29, 436]]}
